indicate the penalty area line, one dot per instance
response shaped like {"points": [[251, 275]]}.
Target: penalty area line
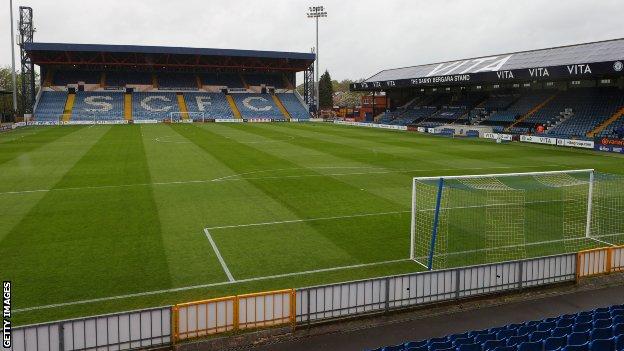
{"points": [[203, 286], [221, 260]]}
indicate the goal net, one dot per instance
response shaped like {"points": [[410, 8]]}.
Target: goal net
{"points": [[464, 220]]}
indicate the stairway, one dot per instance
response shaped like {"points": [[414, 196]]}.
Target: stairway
{"points": [[532, 111], [233, 106], [69, 106], [280, 106], [619, 113], [182, 106], [128, 107]]}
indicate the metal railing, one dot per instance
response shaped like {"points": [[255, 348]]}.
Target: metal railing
{"points": [[341, 300], [118, 331], [165, 325]]}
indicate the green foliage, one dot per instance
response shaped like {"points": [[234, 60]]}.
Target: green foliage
{"points": [[6, 83], [118, 210], [326, 91]]}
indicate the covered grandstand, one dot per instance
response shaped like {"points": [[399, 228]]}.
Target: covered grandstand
{"points": [[574, 91], [83, 83]]}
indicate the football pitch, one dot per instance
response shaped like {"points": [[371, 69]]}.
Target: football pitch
{"points": [[98, 219]]}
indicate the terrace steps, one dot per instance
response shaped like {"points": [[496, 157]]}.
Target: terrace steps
{"points": [[128, 106], [233, 106], [532, 111], [619, 113], [182, 106], [69, 106], [280, 106]]}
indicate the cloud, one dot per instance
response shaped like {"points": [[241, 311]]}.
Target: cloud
{"points": [[357, 39]]}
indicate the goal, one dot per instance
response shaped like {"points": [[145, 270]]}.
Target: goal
{"points": [[473, 219]]}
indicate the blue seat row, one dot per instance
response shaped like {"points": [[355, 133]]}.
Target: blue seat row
{"points": [[598, 330]]}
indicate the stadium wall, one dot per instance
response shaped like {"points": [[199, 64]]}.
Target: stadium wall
{"points": [[168, 325]]}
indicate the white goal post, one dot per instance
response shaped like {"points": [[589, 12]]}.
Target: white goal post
{"points": [[472, 219]]}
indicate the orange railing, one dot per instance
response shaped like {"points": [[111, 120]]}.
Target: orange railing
{"points": [[599, 261], [208, 317]]}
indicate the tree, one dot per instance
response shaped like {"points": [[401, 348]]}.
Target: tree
{"points": [[6, 83], [326, 91]]}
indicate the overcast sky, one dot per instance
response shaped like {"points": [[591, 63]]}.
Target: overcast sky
{"points": [[359, 38]]}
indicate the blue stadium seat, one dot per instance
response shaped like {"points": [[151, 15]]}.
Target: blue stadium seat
{"points": [[565, 322], [50, 106], [441, 345], [101, 105], [531, 346], [578, 338], [527, 329], [582, 327], [505, 348], [561, 331], [602, 323], [618, 329], [601, 333], [552, 344], [458, 336], [602, 345], [493, 344], [539, 335], [601, 315], [463, 341], [208, 105], [294, 106], [583, 347], [544, 326], [505, 334], [154, 106], [619, 343], [257, 106], [415, 343], [469, 347], [583, 319], [517, 340], [618, 319], [481, 338], [434, 340]]}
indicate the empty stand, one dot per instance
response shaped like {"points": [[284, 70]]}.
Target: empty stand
{"points": [[208, 105], [121, 79], [63, 78], [294, 106], [230, 80], [153, 106], [257, 106], [51, 105], [101, 105], [177, 81], [599, 330], [268, 79]]}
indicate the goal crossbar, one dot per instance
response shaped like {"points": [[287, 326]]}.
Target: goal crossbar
{"points": [[496, 217]]}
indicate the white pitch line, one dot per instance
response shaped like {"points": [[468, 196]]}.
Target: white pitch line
{"points": [[307, 220], [231, 179], [203, 286], [602, 241], [216, 250]]}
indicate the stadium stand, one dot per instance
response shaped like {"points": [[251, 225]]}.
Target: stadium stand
{"points": [[601, 329], [589, 108], [98, 105], [208, 105], [257, 106], [177, 81], [230, 80], [51, 105], [153, 106], [520, 107], [121, 79], [62, 77], [256, 79], [294, 106]]}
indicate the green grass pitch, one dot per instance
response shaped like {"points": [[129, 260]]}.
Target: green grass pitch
{"points": [[110, 218]]}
